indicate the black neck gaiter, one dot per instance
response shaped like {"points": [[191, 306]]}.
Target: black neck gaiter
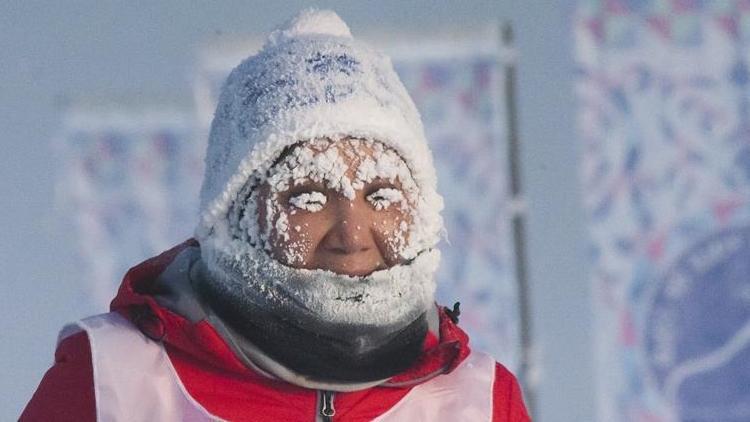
{"points": [[329, 352]]}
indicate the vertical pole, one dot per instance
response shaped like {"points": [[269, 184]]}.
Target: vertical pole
{"points": [[527, 368]]}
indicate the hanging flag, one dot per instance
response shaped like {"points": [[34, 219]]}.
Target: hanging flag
{"points": [[129, 181], [456, 81], [663, 116]]}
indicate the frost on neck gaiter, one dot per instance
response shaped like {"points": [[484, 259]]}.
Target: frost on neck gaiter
{"points": [[325, 163]]}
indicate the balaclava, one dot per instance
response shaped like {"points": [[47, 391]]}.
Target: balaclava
{"points": [[312, 81]]}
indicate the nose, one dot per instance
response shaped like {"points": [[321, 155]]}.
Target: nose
{"points": [[349, 233]]}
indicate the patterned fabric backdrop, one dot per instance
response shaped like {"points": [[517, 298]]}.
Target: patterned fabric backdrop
{"points": [[664, 103], [461, 102], [458, 88], [129, 182]]}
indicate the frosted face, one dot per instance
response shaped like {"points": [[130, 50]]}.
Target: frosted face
{"points": [[341, 206]]}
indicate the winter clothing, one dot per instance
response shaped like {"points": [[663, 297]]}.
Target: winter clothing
{"points": [[216, 377], [313, 82], [222, 330]]}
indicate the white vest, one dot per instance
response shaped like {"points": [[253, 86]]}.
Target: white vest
{"points": [[134, 380]]}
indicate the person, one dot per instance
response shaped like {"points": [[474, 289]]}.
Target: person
{"points": [[308, 290]]}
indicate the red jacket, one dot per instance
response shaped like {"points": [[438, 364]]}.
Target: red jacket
{"points": [[218, 380]]}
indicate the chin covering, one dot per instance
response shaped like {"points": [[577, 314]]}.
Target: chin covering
{"points": [[325, 326], [310, 81]]}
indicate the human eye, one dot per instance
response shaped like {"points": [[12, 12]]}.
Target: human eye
{"points": [[312, 201], [383, 198]]}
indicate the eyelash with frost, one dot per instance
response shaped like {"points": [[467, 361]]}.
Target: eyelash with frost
{"points": [[309, 201], [382, 198]]}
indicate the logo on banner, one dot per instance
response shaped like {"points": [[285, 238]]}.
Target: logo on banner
{"points": [[697, 338]]}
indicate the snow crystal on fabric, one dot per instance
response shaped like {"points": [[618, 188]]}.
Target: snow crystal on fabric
{"points": [[390, 297], [311, 22], [311, 81]]}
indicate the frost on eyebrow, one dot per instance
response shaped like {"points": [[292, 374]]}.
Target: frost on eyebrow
{"points": [[325, 162], [314, 161]]}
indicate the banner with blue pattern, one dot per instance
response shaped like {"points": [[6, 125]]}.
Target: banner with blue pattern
{"points": [[664, 120]]}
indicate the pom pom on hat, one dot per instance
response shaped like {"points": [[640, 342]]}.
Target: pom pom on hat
{"points": [[311, 22]]}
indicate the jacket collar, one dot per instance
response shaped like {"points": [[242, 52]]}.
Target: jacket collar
{"points": [[169, 316]]}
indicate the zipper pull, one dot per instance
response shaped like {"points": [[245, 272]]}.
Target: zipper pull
{"points": [[326, 406]]}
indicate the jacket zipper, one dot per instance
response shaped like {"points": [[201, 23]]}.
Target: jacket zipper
{"points": [[325, 406]]}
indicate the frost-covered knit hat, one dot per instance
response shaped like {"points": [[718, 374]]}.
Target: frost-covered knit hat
{"points": [[311, 80]]}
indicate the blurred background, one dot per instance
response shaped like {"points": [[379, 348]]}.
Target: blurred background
{"points": [[605, 260]]}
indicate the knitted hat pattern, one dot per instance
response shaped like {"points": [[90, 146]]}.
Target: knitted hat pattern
{"points": [[311, 80]]}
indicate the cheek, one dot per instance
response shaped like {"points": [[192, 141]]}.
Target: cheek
{"points": [[391, 228], [295, 247]]}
